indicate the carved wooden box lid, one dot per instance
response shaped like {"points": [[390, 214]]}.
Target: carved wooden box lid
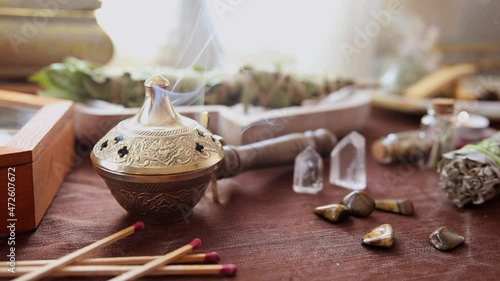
{"points": [[157, 140]]}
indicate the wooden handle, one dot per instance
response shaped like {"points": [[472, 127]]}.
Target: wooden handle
{"points": [[274, 152]]}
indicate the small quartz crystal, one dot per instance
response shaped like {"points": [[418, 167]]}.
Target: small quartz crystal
{"points": [[347, 165], [308, 173]]}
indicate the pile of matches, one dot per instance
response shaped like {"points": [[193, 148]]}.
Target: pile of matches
{"points": [[178, 262]]}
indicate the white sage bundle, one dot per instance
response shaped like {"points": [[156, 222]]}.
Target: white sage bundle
{"points": [[471, 175]]}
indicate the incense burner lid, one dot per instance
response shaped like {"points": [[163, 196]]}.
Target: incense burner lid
{"points": [[157, 140]]}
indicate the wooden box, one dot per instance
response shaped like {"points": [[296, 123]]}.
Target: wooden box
{"points": [[36, 153]]}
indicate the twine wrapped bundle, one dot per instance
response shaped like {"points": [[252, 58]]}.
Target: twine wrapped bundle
{"points": [[82, 81], [471, 175]]}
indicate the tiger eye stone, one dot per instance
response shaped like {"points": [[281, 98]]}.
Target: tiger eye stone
{"points": [[334, 213], [445, 239], [360, 203], [382, 236], [398, 206]]}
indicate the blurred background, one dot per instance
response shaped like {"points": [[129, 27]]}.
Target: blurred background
{"points": [[310, 36], [267, 53], [304, 36]]}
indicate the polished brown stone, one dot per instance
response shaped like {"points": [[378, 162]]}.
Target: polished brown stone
{"points": [[360, 203], [334, 213], [445, 239], [381, 236], [397, 206]]}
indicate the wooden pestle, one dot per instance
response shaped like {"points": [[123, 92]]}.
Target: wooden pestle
{"points": [[273, 152]]}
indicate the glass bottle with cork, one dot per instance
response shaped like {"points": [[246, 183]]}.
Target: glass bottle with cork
{"points": [[441, 130], [404, 147]]}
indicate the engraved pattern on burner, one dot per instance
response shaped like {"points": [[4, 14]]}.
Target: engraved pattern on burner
{"points": [[157, 200], [154, 152], [158, 133]]}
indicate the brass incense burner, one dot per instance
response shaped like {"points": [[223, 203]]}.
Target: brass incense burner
{"points": [[158, 163]]}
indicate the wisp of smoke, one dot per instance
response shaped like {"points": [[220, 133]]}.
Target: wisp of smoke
{"points": [[200, 24], [183, 99], [265, 122]]}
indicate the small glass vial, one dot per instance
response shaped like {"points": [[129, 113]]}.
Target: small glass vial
{"points": [[411, 146], [308, 172], [441, 131]]}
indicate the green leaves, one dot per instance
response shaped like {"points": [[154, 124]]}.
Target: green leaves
{"points": [[65, 80]]}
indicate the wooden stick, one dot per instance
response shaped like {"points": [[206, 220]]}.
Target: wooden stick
{"points": [[432, 84], [157, 263], [211, 257], [111, 270], [70, 258], [476, 47], [215, 189]]}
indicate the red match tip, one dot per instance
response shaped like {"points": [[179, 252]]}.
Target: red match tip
{"points": [[138, 226], [212, 257], [195, 243], [228, 269]]}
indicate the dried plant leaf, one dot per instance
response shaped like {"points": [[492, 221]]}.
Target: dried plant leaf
{"points": [[471, 175]]}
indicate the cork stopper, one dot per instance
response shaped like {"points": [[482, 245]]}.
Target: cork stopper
{"points": [[443, 106], [380, 151]]}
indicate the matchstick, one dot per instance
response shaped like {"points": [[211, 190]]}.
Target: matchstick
{"points": [[156, 263], [211, 257], [78, 254], [112, 270]]}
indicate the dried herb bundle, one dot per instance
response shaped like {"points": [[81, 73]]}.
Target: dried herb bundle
{"points": [[471, 175], [82, 81]]}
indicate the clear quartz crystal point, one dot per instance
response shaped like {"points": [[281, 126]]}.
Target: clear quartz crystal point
{"points": [[308, 172], [347, 164]]}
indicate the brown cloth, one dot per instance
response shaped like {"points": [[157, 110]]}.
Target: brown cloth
{"points": [[271, 233]]}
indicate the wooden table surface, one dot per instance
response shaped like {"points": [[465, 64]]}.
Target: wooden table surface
{"points": [[271, 233]]}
